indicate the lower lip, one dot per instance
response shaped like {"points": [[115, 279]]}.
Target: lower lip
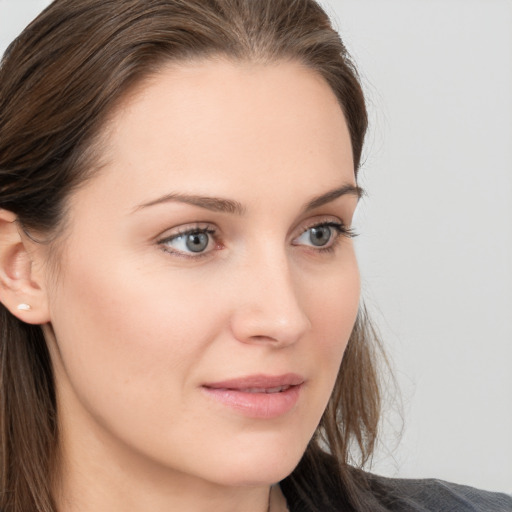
{"points": [[257, 405]]}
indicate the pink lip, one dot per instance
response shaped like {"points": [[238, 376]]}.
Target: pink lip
{"points": [[258, 396]]}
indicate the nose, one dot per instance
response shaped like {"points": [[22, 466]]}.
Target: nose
{"points": [[268, 306]]}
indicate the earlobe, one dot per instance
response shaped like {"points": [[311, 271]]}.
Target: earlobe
{"points": [[20, 290]]}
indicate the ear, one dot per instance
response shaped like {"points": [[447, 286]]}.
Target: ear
{"points": [[22, 289]]}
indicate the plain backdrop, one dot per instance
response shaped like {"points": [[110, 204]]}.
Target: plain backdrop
{"points": [[435, 247]]}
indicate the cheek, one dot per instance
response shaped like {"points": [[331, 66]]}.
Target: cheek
{"points": [[134, 342], [131, 333], [333, 309], [333, 305]]}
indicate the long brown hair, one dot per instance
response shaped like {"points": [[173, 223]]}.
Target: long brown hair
{"points": [[59, 80]]}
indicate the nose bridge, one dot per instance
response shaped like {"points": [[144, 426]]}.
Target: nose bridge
{"points": [[269, 306]]}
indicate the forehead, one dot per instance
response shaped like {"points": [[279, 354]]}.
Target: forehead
{"points": [[214, 124]]}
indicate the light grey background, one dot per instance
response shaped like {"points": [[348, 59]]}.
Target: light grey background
{"points": [[436, 228], [436, 243]]}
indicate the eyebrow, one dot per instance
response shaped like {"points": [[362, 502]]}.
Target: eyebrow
{"points": [[214, 204], [217, 204], [352, 190]]}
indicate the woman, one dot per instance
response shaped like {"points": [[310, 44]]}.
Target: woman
{"points": [[179, 286]]}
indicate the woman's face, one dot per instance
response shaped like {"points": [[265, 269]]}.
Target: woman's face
{"points": [[206, 287]]}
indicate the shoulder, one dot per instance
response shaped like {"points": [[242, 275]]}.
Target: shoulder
{"points": [[317, 486], [397, 495]]}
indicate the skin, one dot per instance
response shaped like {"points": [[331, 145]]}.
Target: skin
{"points": [[136, 326]]}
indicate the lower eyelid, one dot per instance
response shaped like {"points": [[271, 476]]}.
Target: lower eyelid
{"points": [[165, 242], [338, 228]]}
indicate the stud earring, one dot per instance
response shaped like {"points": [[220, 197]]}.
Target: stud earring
{"points": [[24, 307]]}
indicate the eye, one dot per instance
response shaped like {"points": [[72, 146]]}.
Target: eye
{"points": [[197, 241], [319, 235], [324, 235]]}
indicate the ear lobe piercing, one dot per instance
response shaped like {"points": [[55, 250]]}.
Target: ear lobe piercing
{"points": [[24, 307]]}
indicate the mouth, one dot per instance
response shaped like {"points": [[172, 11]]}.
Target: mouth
{"points": [[260, 383], [277, 389], [258, 396]]}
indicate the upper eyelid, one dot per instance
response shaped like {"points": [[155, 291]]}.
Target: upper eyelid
{"points": [[210, 227], [301, 227], [331, 220], [213, 232], [162, 243], [338, 226], [185, 229], [319, 220]]}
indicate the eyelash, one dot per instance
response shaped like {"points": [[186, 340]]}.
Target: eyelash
{"points": [[186, 232], [341, 231]]}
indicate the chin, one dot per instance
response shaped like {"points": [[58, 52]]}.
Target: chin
{"points": [[257, 465], [257, 475]]}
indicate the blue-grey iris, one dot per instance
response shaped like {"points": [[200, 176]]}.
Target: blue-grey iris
{"points": [[320, 235], [197, 242]]}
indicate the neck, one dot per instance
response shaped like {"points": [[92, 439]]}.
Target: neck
{"points": [[78, 492], [86, 485], [91, 477]]}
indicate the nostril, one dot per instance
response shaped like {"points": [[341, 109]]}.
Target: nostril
{"points": [[264, 339]]}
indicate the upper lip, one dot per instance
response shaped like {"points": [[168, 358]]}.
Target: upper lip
{"points": [[258, 381]]}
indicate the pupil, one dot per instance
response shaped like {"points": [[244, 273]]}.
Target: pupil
{"points": [[197, 242], [320, 236]]}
